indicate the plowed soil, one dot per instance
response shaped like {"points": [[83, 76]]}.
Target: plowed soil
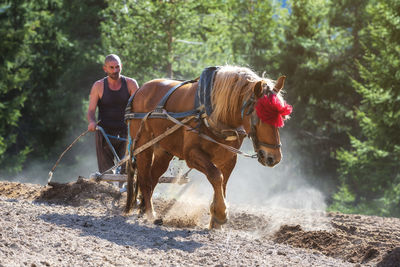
{"points": [[81, 224]]}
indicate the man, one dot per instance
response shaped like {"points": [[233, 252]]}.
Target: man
{"points": [[110, 95]]}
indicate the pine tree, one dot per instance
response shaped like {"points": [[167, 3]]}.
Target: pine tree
{"points": [[46, 56], [370, 170], [163, 38], [14, 73], [317, 56], [256, 30]]}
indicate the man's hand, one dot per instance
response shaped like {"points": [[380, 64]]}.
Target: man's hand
{"points": [[92, 126]]}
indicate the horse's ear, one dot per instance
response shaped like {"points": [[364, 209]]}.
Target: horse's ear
{"points": [[258, 89], [279, 83]]}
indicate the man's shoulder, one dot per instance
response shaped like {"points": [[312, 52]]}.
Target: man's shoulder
{"points": [[131, 83], [129, 79], [98, 83], [97, 87]]}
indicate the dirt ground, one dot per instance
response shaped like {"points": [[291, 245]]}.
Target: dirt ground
{"points": [[88, 229]]}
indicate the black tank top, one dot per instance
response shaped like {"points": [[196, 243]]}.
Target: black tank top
{"points": [[112, 107]]}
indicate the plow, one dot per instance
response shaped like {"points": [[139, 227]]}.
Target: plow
{"points": [[114, 174]]}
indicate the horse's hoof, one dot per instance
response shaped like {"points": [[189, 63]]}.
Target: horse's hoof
{"points": [[216, 224], [158, 221], [127, 212]]}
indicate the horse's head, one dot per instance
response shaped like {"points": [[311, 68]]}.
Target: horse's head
{"points": [[266, 112]]}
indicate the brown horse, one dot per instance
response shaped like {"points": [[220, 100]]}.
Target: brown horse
{"points": [[235, 95]]}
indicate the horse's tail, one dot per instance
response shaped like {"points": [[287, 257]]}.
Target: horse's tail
{"points": [[132, 188]]}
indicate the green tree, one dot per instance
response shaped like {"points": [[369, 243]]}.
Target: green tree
{"points": [[317, 56], [370, 169], [48, 58], [179, 38], [174, 38], [255, 32], [14, 73]]}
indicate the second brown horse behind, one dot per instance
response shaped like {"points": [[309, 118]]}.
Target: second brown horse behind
{"points": [[235, 98]]}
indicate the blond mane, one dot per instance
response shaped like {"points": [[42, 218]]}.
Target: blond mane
{"points": [[233, 85]]}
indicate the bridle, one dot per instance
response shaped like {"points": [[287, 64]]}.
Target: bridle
{"points": [[254, 120], [253, 135]]}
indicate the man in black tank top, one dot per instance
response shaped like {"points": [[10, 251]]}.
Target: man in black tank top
{"points": [[110, 95]]}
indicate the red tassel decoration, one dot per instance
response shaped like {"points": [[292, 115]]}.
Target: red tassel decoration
{"points": [[271, 110]]}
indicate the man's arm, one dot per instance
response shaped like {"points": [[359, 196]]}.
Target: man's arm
{"points": [[132, 85], [93, 99]]}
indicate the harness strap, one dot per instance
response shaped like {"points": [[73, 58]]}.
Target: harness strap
{"points": [[230, 148], [128, 108], [229, 134], [162, 102], [161, 136], [158, 113], [270, 145]]}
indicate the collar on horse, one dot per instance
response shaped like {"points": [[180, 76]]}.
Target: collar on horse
{"points": [[204, 89], [203, 99]]}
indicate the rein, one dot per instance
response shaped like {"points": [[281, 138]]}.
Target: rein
{"points": [[177, 125], [204, 136]]}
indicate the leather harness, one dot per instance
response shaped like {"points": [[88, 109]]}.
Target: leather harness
{"points": [[202, 110]]}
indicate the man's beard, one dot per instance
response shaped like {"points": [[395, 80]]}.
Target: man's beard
{"points": [[114, 76]]}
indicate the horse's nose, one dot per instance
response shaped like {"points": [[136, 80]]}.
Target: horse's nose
{"points": [[270, 161], [266, 159]]}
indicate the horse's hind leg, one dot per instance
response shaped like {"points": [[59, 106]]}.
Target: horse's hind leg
{"points": [[161, 160], [150, 167], [144, 181], [160, 164], [132, 189]]}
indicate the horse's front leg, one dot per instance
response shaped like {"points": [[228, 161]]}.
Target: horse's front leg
{"points": [[227, 169], [201, 161]]}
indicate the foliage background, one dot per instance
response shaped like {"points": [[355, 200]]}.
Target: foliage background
{"points": [[341, 57]]}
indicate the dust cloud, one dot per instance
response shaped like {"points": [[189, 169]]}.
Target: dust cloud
{"points": [[276, 192], [79, 160], [280, 193], [255, 185]]}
